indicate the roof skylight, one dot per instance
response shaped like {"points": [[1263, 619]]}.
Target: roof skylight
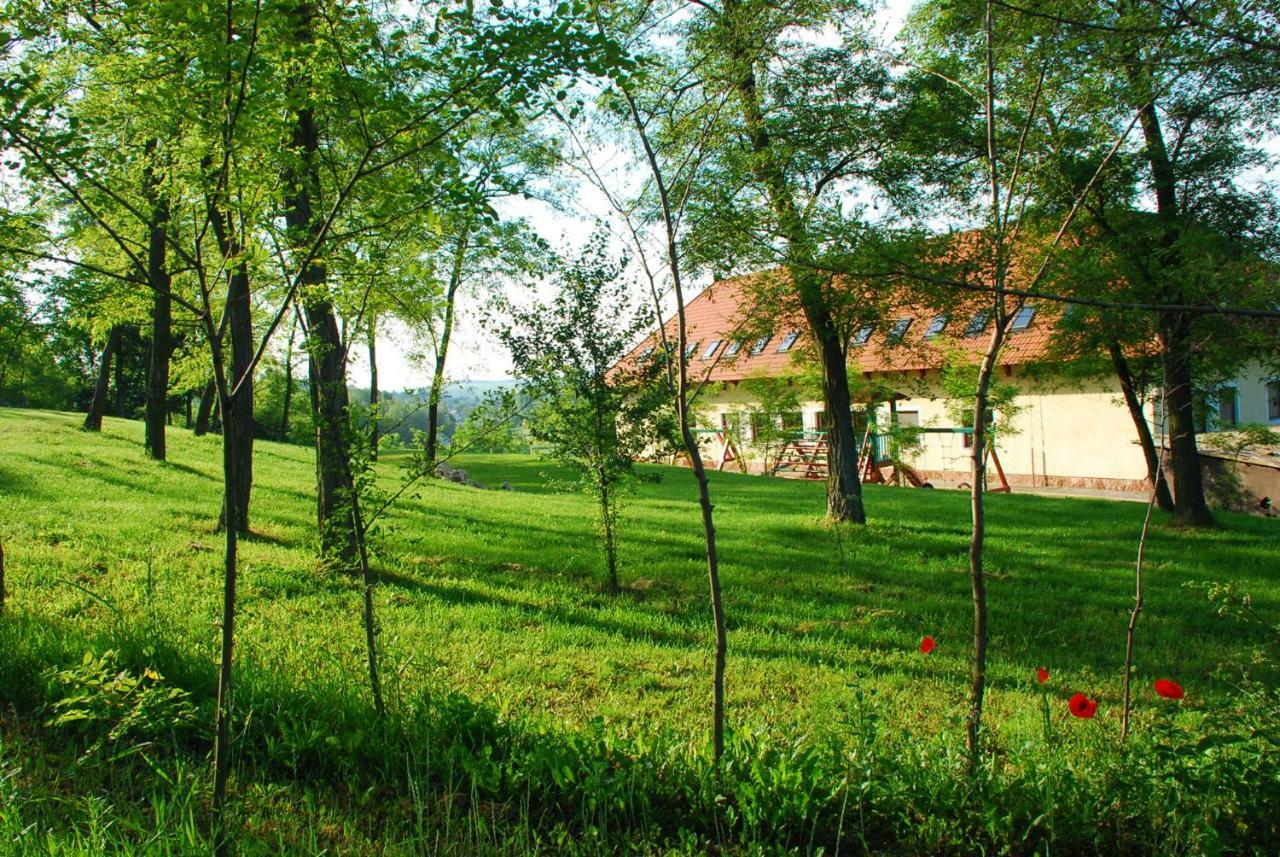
{"points": [[788, 341], [1022, 319], [761, 344], [899, 330], [978, 323]]}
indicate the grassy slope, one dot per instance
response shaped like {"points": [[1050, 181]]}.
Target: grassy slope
{"points": [[495, 594]]}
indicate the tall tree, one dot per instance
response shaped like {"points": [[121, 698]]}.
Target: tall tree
{"points": [[1184, 228], [749, 50], [98, 405], [326, 362], [372, 342], [478, 250], [1007, 102], [642, 115], [161, 345]]}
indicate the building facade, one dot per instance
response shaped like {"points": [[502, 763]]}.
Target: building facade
{"points": [[1060, 430]]}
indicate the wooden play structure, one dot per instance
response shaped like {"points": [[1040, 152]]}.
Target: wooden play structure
{"points": [[723, 450], [877, 467], [991, 455], [804, 456]]}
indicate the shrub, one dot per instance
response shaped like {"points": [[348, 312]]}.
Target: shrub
{"points": [[113, 710]]}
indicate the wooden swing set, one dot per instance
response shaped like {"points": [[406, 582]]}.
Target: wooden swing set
{"points": [[723, 452], [874, 471], [807, 457]]}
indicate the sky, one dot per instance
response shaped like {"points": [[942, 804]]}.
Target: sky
{"points": [[474, 354]]}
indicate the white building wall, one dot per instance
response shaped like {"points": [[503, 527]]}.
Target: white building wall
{"points": [[1077, 434], [1254, 396]]}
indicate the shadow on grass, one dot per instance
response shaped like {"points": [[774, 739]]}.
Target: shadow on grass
{"points": [[10, 483], [212, 476], [610, 790]]}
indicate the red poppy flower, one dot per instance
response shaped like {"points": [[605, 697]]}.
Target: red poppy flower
{"points": [[1168, 689], [927, 645], [1082, 706], [1042, 674]]}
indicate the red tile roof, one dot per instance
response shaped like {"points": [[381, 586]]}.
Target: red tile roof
{"points": [[724, 310]]}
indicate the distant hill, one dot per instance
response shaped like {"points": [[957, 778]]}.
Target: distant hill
{"points": [[406, 410]]}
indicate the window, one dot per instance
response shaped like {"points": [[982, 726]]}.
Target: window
{"points": [[793, 421], [724, 421], [1273, 401], [759, 424], [711, 349], [733, 349], [898, 330], [1022, 318], [936, 326], [761, 344], [820, 420], [1228, 410], [788, 341], [691, 349], [646, 354], [978, 323], [909, 419], [861, 337]]}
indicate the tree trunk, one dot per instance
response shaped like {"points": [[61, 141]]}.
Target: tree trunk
{"points": [[1189, 506], [187, 409], [977, 541], [686, 435], [161, 351], [222, 711], [288, 383], [326, 363], [978, 461], [329, 406], [237, 420], [1155, 473], [120, 356], [442, 352], [204, 415], [844, 491], [98, 405], [610, 543], [373, 390], [2, 590], [1174, 327]]}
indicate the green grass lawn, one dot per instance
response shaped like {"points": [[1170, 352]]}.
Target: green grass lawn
{"points": [[497, 596]]}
